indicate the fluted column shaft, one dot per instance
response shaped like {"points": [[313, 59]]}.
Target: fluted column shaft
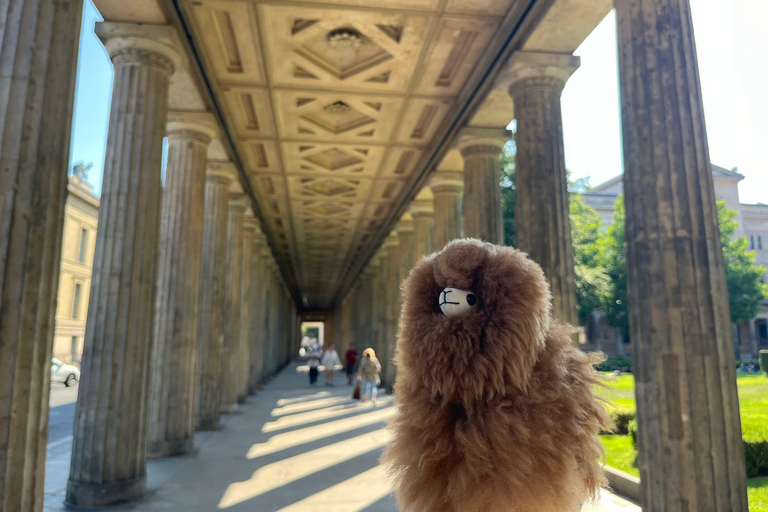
{"points": [[212, 293], [542, 218], [246, 304], [448, 189], [482, 191], [171, 427], [690, 451], [392, 288], [256, 318], [38, 59], [423, 221], [110, 427], [230, 358]]}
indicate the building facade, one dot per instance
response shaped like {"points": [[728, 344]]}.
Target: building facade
{"points": [[748, 337], [77, 248]]}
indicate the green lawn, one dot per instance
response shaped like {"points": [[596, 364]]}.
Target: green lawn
{"points": [[753, 402]]}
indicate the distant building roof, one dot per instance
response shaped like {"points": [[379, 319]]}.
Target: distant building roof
{"points": [[610, 186]]}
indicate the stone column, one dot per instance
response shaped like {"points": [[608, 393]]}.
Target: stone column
{"points": [[38, 58], [542, 218], [256, 332], [422, 213], [230, 355], [109, 444], [219, 177], [268, 305], [405, 232], [690, 451], [171, 427], [482, 189], [447, 187], [250, 225], [392, 287]]}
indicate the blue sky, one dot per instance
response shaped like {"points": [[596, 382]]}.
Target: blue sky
{"points": [[730, 37]]}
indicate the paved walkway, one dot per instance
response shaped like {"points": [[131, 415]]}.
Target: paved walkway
{"points": [[291, 448]]}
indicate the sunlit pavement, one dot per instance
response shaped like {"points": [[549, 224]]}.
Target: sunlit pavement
{"points": [[291, 448]]}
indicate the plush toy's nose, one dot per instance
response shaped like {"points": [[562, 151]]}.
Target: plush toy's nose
{"points": [[455, 302]]}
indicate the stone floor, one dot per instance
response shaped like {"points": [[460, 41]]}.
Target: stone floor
{"points": [[291, 448]]}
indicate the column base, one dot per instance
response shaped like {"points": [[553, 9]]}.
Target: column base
{"points": [[228, 408], [82, 494], [242, 399], [170, 448], [208, 424]]}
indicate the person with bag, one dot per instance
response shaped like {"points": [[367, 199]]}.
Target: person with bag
{"points": [[313, 361], [330, 360], [368, 375]]}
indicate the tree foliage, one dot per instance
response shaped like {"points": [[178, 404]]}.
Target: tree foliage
{"points": [[745, 291], [591, 279], [508, 192], [612, 247]]}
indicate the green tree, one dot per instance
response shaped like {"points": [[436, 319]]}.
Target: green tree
{"points": [[745, 291], [613, 259], [508, 192], [591, 278]]}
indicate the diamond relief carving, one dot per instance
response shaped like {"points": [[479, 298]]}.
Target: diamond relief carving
{"points": [[334, 159], [328, 187]]}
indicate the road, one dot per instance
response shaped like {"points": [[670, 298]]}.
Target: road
{"points": [[62, 413]]}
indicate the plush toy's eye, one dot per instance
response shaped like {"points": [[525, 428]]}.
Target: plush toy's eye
{"points": [[455, 302]]}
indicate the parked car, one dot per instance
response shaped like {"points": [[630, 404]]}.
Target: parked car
{"points": [[64, 373]]}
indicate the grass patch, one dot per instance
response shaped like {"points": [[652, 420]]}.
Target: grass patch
{"points": [[753, 402], [620, 454], [757, 492]]}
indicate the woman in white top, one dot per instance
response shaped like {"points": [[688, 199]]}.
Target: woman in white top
{"points": [[330, 359]]}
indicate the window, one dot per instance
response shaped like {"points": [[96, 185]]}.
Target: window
{"points": [[759, 243], [83, 245], [752, 242], [73, 349], [76, 301]]}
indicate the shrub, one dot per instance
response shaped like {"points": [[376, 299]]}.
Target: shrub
{"points": [[632, 431], [609, 365], [619, 423], [756, 456]]}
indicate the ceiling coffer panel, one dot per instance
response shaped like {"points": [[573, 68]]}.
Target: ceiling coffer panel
{"points": [[341, 48], [330, 105]]}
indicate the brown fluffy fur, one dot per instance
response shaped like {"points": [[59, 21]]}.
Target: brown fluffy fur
{"points": [[495, 408]]}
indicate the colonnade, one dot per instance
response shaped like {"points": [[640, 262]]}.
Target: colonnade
{"points": [[188, 311], [177, 295]]}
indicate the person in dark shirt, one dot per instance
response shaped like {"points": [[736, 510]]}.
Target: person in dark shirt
{"points": [[350, 357]]}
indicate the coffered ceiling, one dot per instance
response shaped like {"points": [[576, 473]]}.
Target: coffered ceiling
{"points": [[331, 104]]}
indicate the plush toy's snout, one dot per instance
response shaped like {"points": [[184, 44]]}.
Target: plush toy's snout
{"points": [[455, 302]]}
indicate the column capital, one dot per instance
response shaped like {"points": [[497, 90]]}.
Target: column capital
{"points": [[421, 208], [473, 141], [238, 203], [391, 241], [200, 126], [538, 70], [251, 223], [443, 182], [221, 172], [404, 225], [130, 43]]}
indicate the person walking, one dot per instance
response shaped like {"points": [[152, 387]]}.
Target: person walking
{"points": [[330, 360], [368, 374], [350, 357], [313, 361]]}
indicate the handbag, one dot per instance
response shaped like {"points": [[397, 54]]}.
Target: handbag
{"points": [[356, 392]]}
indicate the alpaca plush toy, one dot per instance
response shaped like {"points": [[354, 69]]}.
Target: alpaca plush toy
{"points": [[495, 406]]}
